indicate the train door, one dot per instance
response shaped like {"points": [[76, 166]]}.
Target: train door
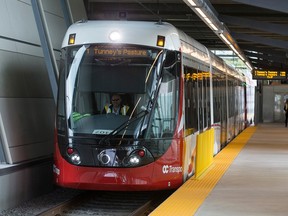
{"points": [[223, 112], [230, 110], [279, 100], [191, 120], [242, 111], [216, 110], [203, 95], [197, 110], [206, 99], [197, 99], [199, 93]]}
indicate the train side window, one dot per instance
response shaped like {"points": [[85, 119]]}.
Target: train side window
{"points": [[206, 99], [191, 98]]}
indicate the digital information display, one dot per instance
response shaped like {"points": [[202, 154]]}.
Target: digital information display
{"points": [[120, 52], [269, 75]]}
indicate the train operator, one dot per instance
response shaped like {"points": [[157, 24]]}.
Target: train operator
{"points": [[116, 106]]}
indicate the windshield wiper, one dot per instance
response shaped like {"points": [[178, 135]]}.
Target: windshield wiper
{"points": [[123, 126]]}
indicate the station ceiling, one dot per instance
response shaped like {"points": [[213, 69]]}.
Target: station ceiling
{"points": [[259, 27]]}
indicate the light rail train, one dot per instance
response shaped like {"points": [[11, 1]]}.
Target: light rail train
{"points": [[179, 106]]}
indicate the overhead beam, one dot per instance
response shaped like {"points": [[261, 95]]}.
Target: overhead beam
{"points": [[268, 63], [265, 66], [276, 5], [279, 59], [261, 40], [267, 50], [206, 14], [249, 23]]}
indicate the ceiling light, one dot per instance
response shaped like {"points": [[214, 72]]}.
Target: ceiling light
{"points": [[225, 39], [241, 57], [200, 12], [213, 27], [192, 3], [211, 24]]}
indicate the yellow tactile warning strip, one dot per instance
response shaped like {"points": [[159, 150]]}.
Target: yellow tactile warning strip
{"points": [[189, 197]]}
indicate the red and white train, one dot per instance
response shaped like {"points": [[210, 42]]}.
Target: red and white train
{"points": [[175, 91]]}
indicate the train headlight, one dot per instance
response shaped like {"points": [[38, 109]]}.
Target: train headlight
{"points": [[137, 157], [134, 160], [114, 36], [74, 156], [126, 156]]}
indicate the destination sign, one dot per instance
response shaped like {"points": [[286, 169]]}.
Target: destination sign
{"points": [[269, 75], [120, 52]]}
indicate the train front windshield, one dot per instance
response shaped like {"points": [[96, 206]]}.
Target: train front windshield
{"points": [[145, 83]]}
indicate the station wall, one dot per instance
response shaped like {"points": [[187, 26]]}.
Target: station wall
{"points": [[27, 108], [273, 103]]}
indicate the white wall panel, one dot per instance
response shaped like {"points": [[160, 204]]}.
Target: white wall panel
{"points": [[21, 21], [4, 20], [7, 45], [55, 21], [31, 150], [27, 109], [28, 126], [52, 7], [12, 80], [27, 49], [25, 116], [26, 101], [57, 29], [23, 76]]}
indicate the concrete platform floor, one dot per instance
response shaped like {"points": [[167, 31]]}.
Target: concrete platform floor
{"points": [[249, 177], [257, 181]]}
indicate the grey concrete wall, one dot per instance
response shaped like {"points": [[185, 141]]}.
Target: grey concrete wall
{"points": [[26, 103], [27, 109]]}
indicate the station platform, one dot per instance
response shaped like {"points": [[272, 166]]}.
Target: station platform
{"points": [[248, 177]]}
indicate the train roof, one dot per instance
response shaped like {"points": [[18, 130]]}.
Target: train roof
{"points": [[136, 32], [131, 32]]}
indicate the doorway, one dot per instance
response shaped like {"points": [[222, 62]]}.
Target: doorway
{"points": [[279, 100]]}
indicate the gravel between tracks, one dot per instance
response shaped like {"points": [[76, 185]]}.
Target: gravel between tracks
{"points": [[41, 203]]}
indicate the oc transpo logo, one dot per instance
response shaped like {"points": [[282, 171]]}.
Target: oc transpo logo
{"points": [[171, 169]]}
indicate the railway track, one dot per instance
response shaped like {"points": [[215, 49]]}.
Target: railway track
{"points": [[109, 204]]}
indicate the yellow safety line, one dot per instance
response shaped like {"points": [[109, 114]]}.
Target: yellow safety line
{"points": [[190, 196]]}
